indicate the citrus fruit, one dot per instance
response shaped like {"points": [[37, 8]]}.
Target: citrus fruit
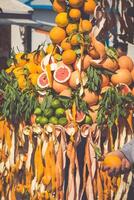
{"points": [[65, 45], [76, 3], [74, 79], [110, 64], [43, 121], [59, 6], [112, 161], [42, 80], [80, 116], [37, 111], [71, 28], [59, 87], [48, 112], [125, 62], [88, 119], [86, 62], [57, 35], [59, 112], [89, 6], [122, 76], [61, 19], [22, 82], [132, 74], [69, 57], [53, 120], [91, 98], [75, 14], [66, 93], [62, 121], [37, 120], [56, 103], [62, 74], [74, 40], [86, 26]]}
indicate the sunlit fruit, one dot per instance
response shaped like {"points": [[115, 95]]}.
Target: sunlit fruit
{"points": [[125, 62], [132, 74], [86, 26], [53, 120], [59, 112], [69, 57], [57, 35], [59, 87], [66, 93], [56, 103], [122, 76], [74, 79], [61, 19], [91, 98], [110, 64], [38, 111], [65, 44], [75, 14], [59, 6], [86, 62], [89, 6], [71, 28], [80, 116], [76, 3], [62, 74]]}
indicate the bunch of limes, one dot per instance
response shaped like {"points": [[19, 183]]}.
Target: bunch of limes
{"points": [[55, 114]]}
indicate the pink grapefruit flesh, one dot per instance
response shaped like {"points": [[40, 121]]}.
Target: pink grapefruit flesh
{"points": [[62, 74]]}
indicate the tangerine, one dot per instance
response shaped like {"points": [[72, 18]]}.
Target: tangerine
{"points": [[69, 57], [61, 19], [59, 6], [57, 35], [89, 6], [75, 14]]}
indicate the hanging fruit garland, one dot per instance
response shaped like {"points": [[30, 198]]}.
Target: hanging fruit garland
{"points": [[62, 108]]}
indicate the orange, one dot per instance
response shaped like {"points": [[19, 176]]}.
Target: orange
{"points": [[59, 6], [61, 19], [59, 87], [71, 28], [112, 161], [76, 3], [122, 76], [86, 26], [75, 14], [57, 35], [125, 62], [89, 6], [65, 45], [74, 40], [69, 57]]}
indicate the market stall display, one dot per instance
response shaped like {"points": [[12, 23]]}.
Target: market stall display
{"points": [[62, 108]]}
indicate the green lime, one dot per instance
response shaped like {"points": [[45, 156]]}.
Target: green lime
{"points": [[53, 120], [37, 120], [56, 103], [37, 111], [43, 121], [63, 121], [88, 119], [59, 112], [48, 112]]}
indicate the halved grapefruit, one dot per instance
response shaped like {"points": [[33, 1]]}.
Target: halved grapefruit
{"points": [[62, 74], [80, 116], [42, 81]]}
